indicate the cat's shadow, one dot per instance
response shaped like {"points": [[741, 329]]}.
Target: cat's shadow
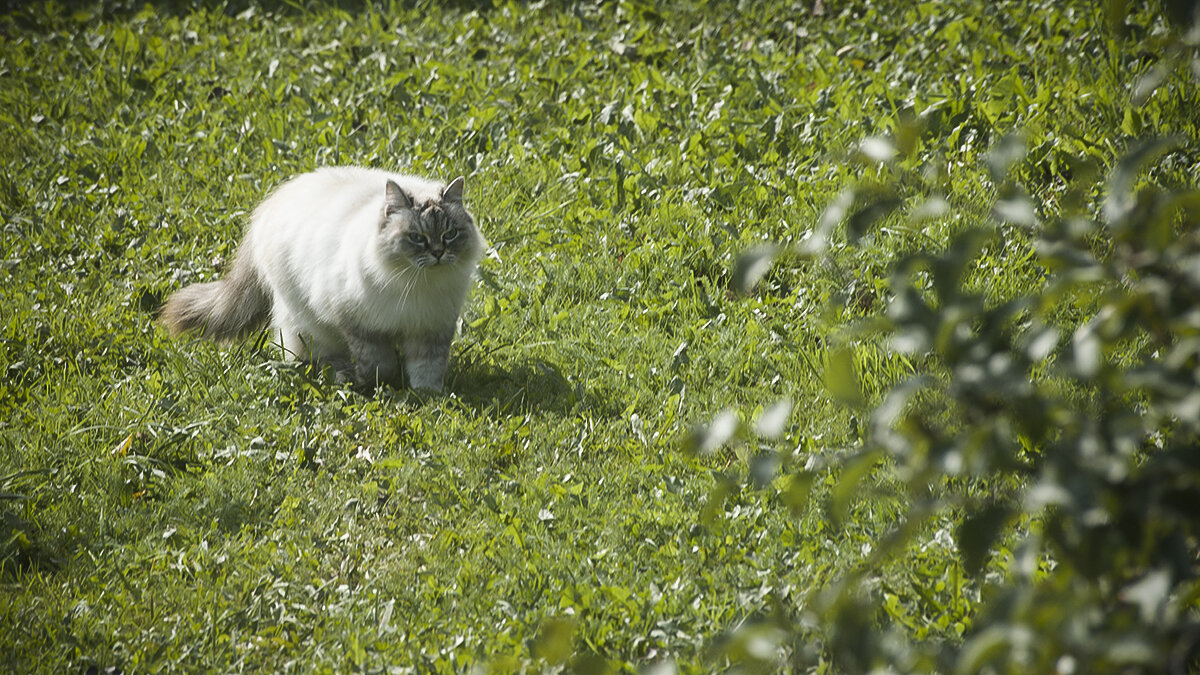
{"points": [[499, 386], [524, 386]]}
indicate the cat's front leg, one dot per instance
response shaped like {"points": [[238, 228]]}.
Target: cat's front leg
{"points": [[375, 362], [312, 348], [426, 356]]}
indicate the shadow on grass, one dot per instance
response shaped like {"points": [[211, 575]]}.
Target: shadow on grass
{"points": [[23, 548], [525, 386], [509, 387]]}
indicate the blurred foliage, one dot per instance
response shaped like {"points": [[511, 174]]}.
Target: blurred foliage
{"points": [[1058, 425]]}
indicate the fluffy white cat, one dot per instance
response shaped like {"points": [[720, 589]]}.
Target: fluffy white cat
{"points": [[346, 263]]}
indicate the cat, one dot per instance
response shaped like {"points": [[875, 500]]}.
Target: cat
{"points": [[346, 262]]}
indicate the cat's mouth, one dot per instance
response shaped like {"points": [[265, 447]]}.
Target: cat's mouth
{"points": [[429, 260]]}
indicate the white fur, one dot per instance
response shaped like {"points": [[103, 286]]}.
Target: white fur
{"points": [[314, 243]]}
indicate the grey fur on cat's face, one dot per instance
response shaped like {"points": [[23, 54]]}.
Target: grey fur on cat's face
{"points": [[428, 234]]}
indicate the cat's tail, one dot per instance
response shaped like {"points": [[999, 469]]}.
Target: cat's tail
{"points": [[220, 310]]}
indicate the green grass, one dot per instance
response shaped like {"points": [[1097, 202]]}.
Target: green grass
{"points": [[174, 505]]}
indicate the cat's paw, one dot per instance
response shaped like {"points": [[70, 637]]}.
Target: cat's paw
{"points": [[426, 386], [377, 376], [343, 377]]}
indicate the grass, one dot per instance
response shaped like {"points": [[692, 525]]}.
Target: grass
{"points": [[174, 505]]}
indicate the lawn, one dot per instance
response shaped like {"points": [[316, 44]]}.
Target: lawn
{"points": [[175, 505]]}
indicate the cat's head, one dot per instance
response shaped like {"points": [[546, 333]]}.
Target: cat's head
{"points": [[429, 234]]}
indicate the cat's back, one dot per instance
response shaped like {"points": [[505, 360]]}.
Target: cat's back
{"points": [[351, 185], [335, 197]]}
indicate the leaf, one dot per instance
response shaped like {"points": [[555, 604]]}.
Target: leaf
{"points": [[706, 440], [715, 505], [590, 663], [1150, 594], [1120, 200], [773, 420], [798, 492], [887, 413], [385, 621], [1007, 152], [759, 646], [984, 647], [841, 378], [929, 209], [1087, 351], [951, 268], [122, 448], [908, 133], [751, 266], [1132, 649], [665, 667], [915, 320], [1148, 83], [847, 487], [878, 206], [763, 468], [553, 641], [126, 40], [1040, 343], [817, 240], [1186, 15], [1045, 493], [978, 532], [878, 149], [680, 358], [1017, 210]]}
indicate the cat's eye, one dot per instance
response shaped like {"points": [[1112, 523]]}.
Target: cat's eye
{"points": [[417, 238], [450, 236]]}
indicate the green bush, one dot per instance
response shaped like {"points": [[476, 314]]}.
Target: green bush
{"points": [[1055, 425]]}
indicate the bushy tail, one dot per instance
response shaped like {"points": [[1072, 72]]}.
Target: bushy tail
{"points": [[220, 310]]}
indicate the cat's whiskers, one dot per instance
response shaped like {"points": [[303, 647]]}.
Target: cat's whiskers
{"points": [[408, 287], [418, 276], [419, 279], [399, 275]]}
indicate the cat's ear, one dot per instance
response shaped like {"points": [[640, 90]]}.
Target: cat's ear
{"points": [[397, 199], [453, 191]]}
